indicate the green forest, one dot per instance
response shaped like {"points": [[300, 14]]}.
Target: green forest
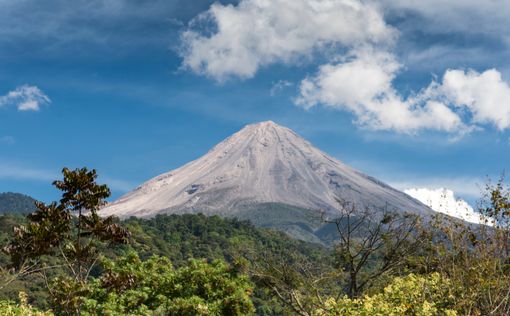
{"points": [[64, 259]]}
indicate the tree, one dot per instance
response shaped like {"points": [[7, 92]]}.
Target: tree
{"points": [[130, 286], [428, 295], [369, 247], [66, 233], [372, 244], [299, 283]]}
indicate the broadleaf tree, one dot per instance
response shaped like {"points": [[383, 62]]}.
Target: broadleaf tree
{"points": [[66, 234]]}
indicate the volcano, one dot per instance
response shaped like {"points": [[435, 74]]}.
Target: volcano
{"points": [[268, 174]]}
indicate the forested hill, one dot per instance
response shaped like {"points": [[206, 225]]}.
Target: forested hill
{"points": [[182, 237], [16, 203]]}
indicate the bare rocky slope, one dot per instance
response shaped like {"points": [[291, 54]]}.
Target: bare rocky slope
{"points": [[266, 173]]}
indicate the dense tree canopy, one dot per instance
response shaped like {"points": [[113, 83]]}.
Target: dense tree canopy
{"points": [[130, 286]]}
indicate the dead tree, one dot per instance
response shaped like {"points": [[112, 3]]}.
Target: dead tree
{"points": [[372, 243]]}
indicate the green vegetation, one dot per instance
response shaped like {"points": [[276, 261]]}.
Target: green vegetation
{"points": [[380, 264], [411, 295], [180, 238], [130, 286], [9, 308], [54, 239]]}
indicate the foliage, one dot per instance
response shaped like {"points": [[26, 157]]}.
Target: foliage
{"points": [[370, 247], [9, 308], [50, 232], [180, 237], [130, 286], [11, 281], [411, 295], [476, 258]]}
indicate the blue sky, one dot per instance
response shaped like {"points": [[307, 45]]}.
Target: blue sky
{"points": [[414, 93]]}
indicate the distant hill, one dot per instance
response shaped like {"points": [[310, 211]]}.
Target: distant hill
{"points": [[16, 203]]}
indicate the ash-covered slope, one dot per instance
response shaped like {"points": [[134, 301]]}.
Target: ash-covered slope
{"points": [[263, 163]]}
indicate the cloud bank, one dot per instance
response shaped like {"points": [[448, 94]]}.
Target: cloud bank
{"points": [[25, 98], [444, 201], [362, 85], [358, 76]]}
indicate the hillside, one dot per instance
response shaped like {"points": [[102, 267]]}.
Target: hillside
{"points": [[16, 203]]}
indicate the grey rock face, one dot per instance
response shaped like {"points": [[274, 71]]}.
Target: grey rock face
{"points": [[262, 163]]}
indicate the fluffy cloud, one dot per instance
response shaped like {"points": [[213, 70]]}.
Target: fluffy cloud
{"points": [[25, 98], [485, 95], [444, 201], [363, 86], [260, 32]]}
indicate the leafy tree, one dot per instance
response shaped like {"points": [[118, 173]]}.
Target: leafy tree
{"points": [[130, 286], [69, 231], [299, 283], [411, 295]]}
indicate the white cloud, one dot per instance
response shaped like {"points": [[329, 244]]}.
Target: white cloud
{"points": [[485, 95], [256, 33], [117, 184], [57, 28], [362, 84], [25, 98], [16, 172], [444, 201]]}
